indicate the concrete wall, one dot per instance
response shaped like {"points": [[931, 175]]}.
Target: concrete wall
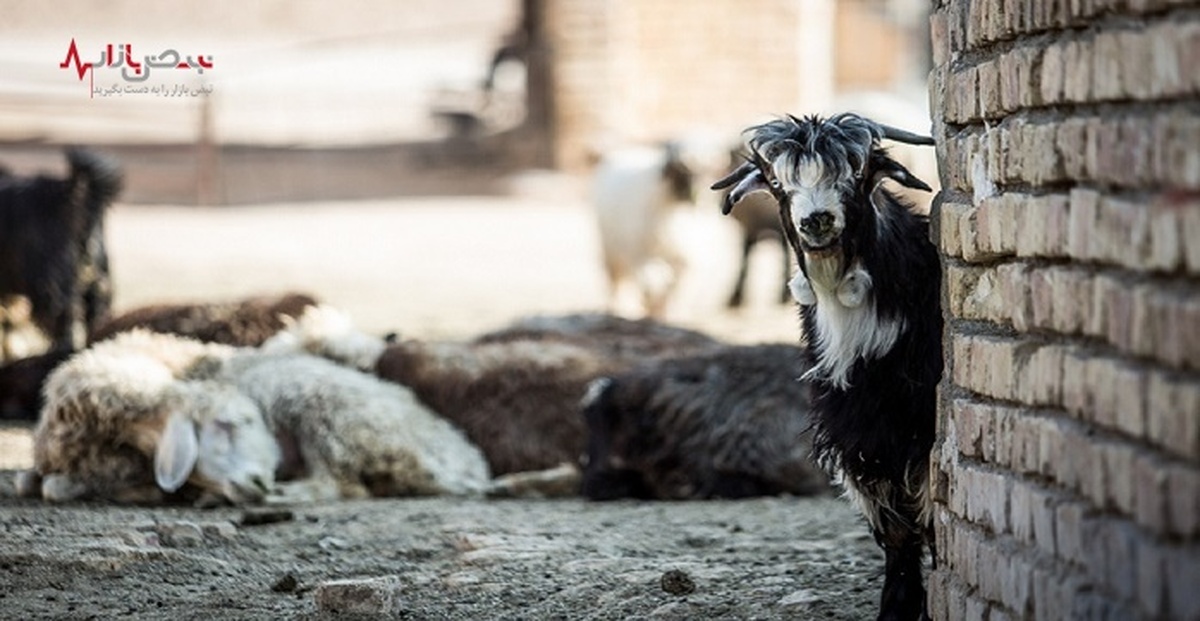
{"points": [[1068, 466]]}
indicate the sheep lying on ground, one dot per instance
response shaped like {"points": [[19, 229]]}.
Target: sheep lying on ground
{"points": [[232, 422], [725, 424], [246, 322], [52, 245], [516, 391]]}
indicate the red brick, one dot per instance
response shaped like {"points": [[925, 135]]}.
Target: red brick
{"points": [[1077, 396], [1099, 376], [1165, 72], [1151, 566], [1141, 332], [1025, 444], [989, 89], [1166, 245], [1041, 378], [961, 359], [1069, 531], [1073, 293], [1012, 149], [1053, 73], [1173, 415], [1189, 214], [1040, 161], [1183, 574], [1071, 145], [1016, 584], [1118, 459], [1183, 484], [939, 36], [1150, 484], [1008, 68], [949, 239], [1044, 504], [969, 420], [1120, 543], [1113, 310], [976, 608], [1177, 161], [1164, 311], [1013, 281], [1189, 319], [1134, 59], [1021, 511], [1077, 71], [1129, 399], [1041, 297], [1189, 51], [1106, 65], [1051, 446], [1082, 226]]}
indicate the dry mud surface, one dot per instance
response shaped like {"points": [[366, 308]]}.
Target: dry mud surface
{"points": [[431, 269], [442, 558]]}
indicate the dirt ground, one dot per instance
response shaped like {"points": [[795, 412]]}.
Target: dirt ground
{"points": [[430, 268]]}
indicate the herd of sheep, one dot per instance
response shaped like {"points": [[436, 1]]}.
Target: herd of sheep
{"points": [[285, 400]]}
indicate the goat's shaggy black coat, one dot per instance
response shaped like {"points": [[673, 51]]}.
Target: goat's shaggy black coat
{"points": [[52, 244], [875, 424]]}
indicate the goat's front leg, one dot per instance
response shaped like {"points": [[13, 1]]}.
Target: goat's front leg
{"points": [[903, 589]]}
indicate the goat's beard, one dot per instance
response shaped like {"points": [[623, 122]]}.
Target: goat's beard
{"points": [[824, 267]]}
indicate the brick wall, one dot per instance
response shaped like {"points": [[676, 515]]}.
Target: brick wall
{"points": [[1067, 474], [639, 70]]}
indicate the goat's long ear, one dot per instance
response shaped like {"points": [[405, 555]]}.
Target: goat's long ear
{"points": [[745, 179], [177, 452], [886, 167]]}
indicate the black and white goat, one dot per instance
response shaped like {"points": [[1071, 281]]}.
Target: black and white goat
{"points": [[868, 286]]}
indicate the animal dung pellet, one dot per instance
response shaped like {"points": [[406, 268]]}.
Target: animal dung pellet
{"points": [[259, 517], [677, 582]]}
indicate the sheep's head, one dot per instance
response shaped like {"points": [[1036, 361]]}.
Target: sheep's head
{"points": [[216, 438], [823, 173]]}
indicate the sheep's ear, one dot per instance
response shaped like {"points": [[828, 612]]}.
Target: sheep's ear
{"points": [[886, 167], [177, 452], [745, 180]]}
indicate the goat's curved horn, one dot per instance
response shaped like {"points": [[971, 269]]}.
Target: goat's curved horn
{"points": [[733, 177], [907, 137]]}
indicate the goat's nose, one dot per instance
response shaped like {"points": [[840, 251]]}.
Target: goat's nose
{"points": [[817, 223]]}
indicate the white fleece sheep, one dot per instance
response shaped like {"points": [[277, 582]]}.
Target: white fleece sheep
{"points": [[229, 420]]}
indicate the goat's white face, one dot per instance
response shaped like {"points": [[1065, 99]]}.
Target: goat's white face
{"points": [[814, 197]]}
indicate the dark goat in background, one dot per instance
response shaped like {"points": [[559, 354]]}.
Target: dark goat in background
{"points": [[718, 424], [869, 289], [52, 245]]}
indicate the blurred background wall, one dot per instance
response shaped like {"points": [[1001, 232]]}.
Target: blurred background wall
{"points": [[310, 101]]}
